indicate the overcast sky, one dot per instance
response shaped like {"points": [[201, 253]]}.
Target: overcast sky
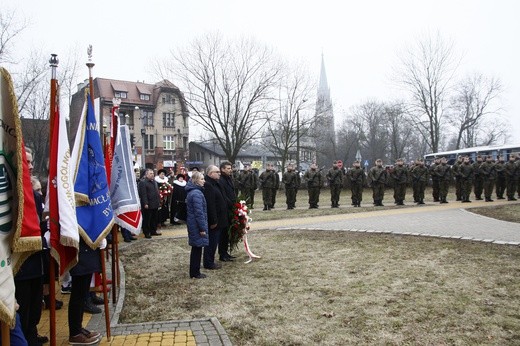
{"points": [[359, 39]]}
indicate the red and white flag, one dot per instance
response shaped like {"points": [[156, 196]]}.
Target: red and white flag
{"points": [[60, 201]]}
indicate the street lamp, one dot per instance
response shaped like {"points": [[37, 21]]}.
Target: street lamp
{"points": [[298, 137]]}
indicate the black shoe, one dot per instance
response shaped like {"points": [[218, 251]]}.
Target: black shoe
{"points": [[148, 236], [479, 198], [199, 276], [156, 233], [90, 308], [47, 303], [42, 339], [128, 240], [214, 266], [66, 289], [96, 300], [225, 259]]}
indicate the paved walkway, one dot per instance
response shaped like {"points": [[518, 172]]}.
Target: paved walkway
{"points": [[435, 220]]}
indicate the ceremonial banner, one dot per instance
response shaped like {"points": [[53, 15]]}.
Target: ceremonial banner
{"points": [[123, 189], [59, 201], [20, 234], [93, 207]]}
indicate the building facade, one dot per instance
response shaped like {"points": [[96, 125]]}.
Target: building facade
{"points": [[156, 114]]}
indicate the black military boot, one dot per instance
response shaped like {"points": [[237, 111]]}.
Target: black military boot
{"points": [[421, 202], [265, 207]]}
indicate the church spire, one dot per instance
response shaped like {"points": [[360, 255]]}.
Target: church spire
{"points": [[323, 87]]}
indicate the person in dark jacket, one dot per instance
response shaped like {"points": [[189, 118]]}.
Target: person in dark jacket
{"points": [[150, 202], [197, 222], [217, 215], [228, 191], [178, 198], [29, 281]]}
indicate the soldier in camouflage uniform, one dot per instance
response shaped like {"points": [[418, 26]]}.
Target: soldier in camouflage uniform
{"points": [[275, 188], [248, 182], [458, 181], [267, 183], [443, 172], [435, 179], [335, 179], [290, 179], [356, 176], [500, 185], [420, 176], [511, 173], [378, 178], [478, 180], [518, 174], [400, 176], [466, 179], [489, 174], [314, 184], [236, 175]]}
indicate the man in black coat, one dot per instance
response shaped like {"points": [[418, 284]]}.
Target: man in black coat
{"points": [[150, 202], [228, 192], [217, 215]]}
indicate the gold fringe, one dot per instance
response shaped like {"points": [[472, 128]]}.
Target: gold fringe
{"points": [[94, 245]]}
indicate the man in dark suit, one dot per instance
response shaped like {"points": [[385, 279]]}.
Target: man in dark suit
{"points": [[228, 192]]}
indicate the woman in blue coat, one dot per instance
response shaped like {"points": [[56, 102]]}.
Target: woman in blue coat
{"points": [[197, 222]]}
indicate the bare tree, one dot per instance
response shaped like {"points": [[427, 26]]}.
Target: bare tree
{"points": [[369, 120], [10, 28], [426, 73], [475, 101], [228, 87], [288, 123], [400, 128]]}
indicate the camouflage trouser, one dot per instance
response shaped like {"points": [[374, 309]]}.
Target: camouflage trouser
{"points": [[273, 196], [246, 196], [435, 189], [511, 188], [500, 186], [266, 196], [488, 188], [458, 188], [466, 189], [418, 191], [335, 191], [357, 193], [399, 192], [444, 186], [478, 186], [290, 195], [252, 196], [378, 191], [314, 196]]}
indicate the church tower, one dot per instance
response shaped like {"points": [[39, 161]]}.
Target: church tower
{"points": [[324, 133]]}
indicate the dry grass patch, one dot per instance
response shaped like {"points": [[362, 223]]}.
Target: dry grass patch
{"points": [[336, 288], [510, 212]]}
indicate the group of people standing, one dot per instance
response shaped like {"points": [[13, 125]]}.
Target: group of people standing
{"points": [[483, 176]]}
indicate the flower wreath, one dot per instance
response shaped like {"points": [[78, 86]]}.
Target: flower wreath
{"points": [[240, 225]]}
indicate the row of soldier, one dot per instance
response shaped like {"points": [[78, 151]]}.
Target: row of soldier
{"points": [[482, 176]]}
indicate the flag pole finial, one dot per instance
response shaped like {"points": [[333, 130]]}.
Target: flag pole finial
{"points": [[53, 61]]}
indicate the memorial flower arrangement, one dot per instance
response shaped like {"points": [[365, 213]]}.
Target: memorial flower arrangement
{"points": [[165, 189], [240, 225]]}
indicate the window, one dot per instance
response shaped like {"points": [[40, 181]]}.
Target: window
{"points": [[147, 117], [185, 144], [185, 122], [169, 142], [168, 99], [168, 119], [148, 142], [144, 97], [121, 94]]}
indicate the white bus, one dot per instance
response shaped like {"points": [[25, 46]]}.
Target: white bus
{"points": [[493, 150]]}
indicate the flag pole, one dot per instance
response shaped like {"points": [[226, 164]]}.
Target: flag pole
{"points": [[6, 333], [90, 65], [52, 121], [114, 123]]}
